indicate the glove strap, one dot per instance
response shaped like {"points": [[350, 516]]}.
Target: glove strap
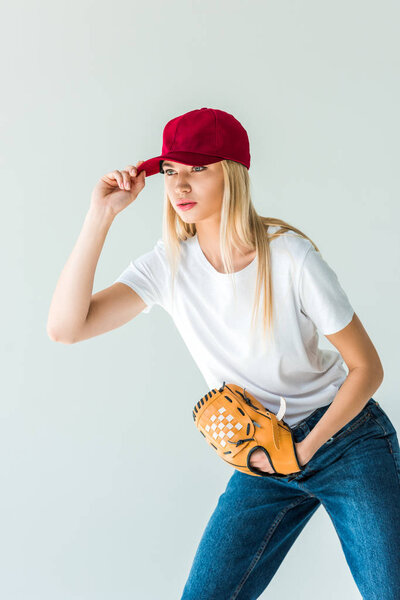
{"points": [[275, 431]]}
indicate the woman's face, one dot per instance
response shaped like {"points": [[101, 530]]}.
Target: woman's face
{"points": [[203, 185]]}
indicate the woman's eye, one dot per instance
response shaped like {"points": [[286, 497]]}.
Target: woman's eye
{"points": [[198, 167]]}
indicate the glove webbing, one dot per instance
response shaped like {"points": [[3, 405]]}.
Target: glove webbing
{"points": [[274, 421]]}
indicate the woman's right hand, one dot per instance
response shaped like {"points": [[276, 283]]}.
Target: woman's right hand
{"points": [[116, 190]]}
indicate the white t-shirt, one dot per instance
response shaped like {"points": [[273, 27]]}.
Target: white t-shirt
{"points": [[307, 296]]}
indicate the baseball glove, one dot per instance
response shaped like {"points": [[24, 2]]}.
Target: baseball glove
{"points": [[235, 424]]}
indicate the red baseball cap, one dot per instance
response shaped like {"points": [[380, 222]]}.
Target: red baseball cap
{"points": [[201, 137]]}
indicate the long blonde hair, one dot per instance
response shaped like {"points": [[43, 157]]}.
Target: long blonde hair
{"points": [[240, 226]]}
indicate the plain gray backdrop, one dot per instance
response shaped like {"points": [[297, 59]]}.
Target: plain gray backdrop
{"points": [[106, 484]]}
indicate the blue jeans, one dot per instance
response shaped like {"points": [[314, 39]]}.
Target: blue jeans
{"points": [[355, 475]]}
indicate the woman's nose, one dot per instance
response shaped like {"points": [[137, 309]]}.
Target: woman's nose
{"points": [[182, 187]]}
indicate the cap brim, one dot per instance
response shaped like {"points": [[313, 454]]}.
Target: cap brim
{"points": [[153, 165]]}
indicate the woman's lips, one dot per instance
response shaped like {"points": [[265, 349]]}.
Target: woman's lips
{"points": [[187, 206]]}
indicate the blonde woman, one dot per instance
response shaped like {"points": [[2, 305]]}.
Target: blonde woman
{"points": [[248, 295]]}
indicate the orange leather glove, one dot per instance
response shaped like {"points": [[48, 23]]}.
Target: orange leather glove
{"points": [[235, 424]]}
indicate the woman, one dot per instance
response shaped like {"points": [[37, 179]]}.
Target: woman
{"points": [[216, 261]]}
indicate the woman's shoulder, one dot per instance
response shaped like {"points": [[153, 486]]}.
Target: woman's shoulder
{"points": [[289, 241]]}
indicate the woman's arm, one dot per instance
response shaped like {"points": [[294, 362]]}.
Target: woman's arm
{"points": [[71, 299], [364, 378], [73, 294]]}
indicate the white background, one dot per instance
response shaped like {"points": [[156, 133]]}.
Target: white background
{"points": [[106, 484]]}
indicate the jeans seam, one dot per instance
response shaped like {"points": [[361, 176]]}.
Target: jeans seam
{"points": [[264, 544], [356, 424], [389, 444]]}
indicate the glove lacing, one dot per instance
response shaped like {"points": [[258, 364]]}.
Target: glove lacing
{"points": [[248, 401]]}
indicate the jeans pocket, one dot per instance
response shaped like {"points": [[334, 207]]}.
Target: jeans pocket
{"points": [[353, 424], [382, 419]]}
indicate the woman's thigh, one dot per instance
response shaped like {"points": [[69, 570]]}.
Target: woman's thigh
{"points": [[252, 528], [356, 476]]}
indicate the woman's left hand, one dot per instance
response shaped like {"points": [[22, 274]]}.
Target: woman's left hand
{"points": [[260, 460]]}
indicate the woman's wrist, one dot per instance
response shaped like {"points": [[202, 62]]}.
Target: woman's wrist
{"points": [[102, 216]]}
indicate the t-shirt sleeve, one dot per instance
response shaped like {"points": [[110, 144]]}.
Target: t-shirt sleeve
{"points": [[322, 297], [147, 276]]}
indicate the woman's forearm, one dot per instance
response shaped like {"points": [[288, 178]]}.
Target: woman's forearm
{"points": [[358, 387], [72, 296]]}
